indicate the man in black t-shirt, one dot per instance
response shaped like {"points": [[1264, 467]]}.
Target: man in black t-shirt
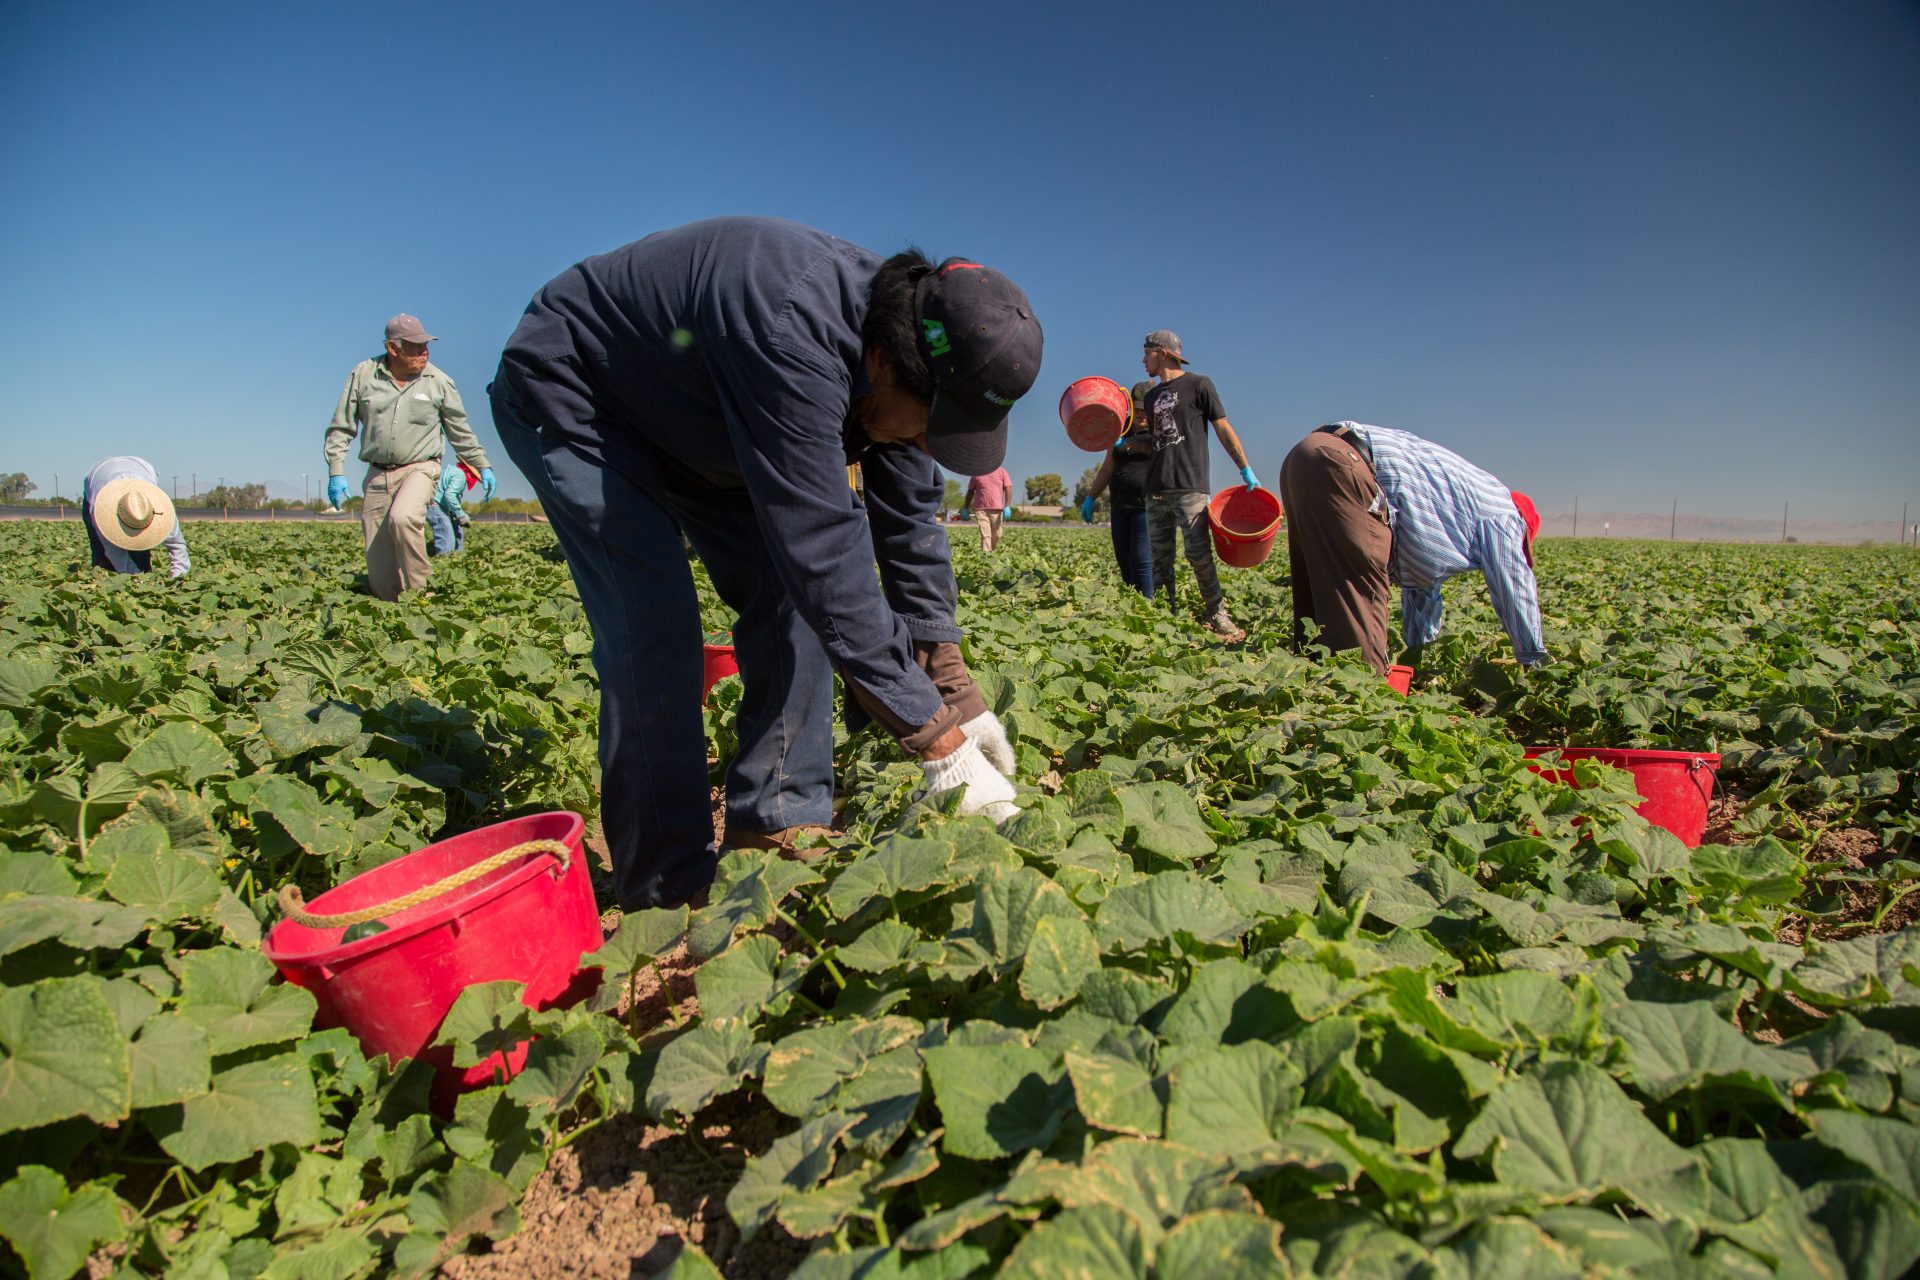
{"points": [[1178, 412]]}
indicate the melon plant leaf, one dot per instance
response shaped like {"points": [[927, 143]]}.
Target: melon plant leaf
{"points": [[1173, 902], [231, 995], [181, 752], [52, 1228], [700, 1065], [884, 946], [1061, 955], [163, 882], [1098, 1240], [62, 1054], [997, 1100], [485, 1018], [643, 935], [1232, 1099], [690, 1264], [169, 1061], [1565, 1131], [1888, 1147], [248, 1108], [1009, 906], [740, 981], [465, 1201], [321, 828], [1164, 820], [1223, 1242], [793, 1163], [556, 1069], [1118, 1095]]}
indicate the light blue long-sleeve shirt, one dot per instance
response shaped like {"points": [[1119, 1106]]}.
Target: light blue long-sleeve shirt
{"points": [[111, 469], [453, 484], [1449, 517]]}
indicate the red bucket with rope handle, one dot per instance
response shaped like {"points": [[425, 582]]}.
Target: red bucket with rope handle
{"points": [[512, 901], [1676, 787]]}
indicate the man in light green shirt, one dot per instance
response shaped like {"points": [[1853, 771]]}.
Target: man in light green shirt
{"points": [[406, 412]]}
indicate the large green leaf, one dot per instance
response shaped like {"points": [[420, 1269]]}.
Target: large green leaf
{"points": [[62, 1054], [248, 1108], [1565, 1131], [793, 1163], [181, 752], [700, 1064], [1223, 1242], [232, 996], [997, 1100], [1080, 1244], [54, 1229], [1233, 1099], [1009, 906], [1158, 908], [1060, 956]]}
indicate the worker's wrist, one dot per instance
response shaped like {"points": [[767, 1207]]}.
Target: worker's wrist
{"points": [[945, 745]]}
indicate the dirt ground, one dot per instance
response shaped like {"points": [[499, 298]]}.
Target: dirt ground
{"points": [[624, 1199]]}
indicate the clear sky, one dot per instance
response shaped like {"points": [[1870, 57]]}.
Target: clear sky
{"points": [[1624, 251]]}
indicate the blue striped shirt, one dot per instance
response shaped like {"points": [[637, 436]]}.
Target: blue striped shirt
{"points": [[1449, 517]]}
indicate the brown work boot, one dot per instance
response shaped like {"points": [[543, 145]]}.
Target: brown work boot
{"points": [[783, 840]]}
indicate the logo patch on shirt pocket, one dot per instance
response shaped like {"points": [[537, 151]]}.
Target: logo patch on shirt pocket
{"points": [[421, 395]]}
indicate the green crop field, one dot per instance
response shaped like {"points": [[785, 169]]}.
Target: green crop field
{"points": [[1278, 973]]}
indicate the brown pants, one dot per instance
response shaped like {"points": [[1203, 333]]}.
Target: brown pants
{"points": [[1337, 547], [989, 522], [393, 525]]}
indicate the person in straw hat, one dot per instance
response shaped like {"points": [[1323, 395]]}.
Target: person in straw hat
{"points": [[127, 515]]}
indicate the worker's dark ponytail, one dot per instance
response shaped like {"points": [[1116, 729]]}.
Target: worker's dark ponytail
{"points": [[890, 327]]}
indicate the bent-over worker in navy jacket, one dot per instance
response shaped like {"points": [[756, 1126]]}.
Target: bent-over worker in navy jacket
{"points": [[715, 381]]}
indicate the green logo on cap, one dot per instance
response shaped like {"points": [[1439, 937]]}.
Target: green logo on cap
{"points": [[937, 344]]}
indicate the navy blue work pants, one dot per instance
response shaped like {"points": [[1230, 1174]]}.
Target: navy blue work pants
{"points": [[620, 511], [1132, 551]]}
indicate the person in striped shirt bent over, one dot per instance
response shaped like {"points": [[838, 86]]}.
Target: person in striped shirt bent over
{"points": [[1369, 507]]}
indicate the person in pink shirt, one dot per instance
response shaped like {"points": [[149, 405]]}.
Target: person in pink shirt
{"points": [[990, 497]]}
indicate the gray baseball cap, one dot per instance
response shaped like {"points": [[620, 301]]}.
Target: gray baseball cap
{"points": [[406, 328], [1168, 341]]}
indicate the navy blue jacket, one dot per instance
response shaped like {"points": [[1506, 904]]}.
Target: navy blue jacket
{"points": [[733, 347]]}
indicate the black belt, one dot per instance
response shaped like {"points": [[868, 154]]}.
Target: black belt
{"points": [[1352, 437]]}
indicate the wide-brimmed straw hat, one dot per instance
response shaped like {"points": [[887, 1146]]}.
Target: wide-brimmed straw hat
{"points": [[133, 514]]}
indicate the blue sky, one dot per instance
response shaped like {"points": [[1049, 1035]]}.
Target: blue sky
{"points": [[1628, 251]]}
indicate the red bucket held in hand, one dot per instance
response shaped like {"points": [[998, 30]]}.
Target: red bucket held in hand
{"points": [[451, 920], [1400, 679], [1243, 522], [1095, 411], [1675, 786]]}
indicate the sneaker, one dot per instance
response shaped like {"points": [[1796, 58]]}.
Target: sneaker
{"points": [[1221, 625]]}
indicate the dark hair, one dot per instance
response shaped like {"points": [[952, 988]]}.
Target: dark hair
{"points": [[890, 326]]}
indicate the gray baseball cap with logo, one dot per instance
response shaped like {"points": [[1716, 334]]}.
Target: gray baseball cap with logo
{"points": [[1168, 341], [406, 328]]}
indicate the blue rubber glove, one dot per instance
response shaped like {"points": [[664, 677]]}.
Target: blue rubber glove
{"points": [[488, 484], [336, 490], [1086, 510], [1006, 513], [1246, 474]]}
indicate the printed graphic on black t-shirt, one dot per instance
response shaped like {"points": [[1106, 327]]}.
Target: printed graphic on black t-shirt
{"points": [[1178, 411]]}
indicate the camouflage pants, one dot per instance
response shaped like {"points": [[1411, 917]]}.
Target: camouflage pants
{"points": [[1183, 511]]}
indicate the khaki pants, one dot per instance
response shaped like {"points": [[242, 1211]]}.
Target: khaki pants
{"points": [[1338, 543], [393, 524], [989, 522]]}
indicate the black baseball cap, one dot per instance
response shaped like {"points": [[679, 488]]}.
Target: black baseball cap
{"points": [[981, 342]]}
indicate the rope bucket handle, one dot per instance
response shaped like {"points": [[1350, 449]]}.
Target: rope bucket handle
{"points": [[293, 905]]}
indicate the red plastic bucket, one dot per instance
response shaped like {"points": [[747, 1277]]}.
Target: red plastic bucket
{"points": [[1675, 786], [717, 665], [523, 922], [1095, 412], [1244, 522], [1400, 679]]}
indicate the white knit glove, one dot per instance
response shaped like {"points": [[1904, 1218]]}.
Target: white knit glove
{"points": [[986, 790], [987, 730]]}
